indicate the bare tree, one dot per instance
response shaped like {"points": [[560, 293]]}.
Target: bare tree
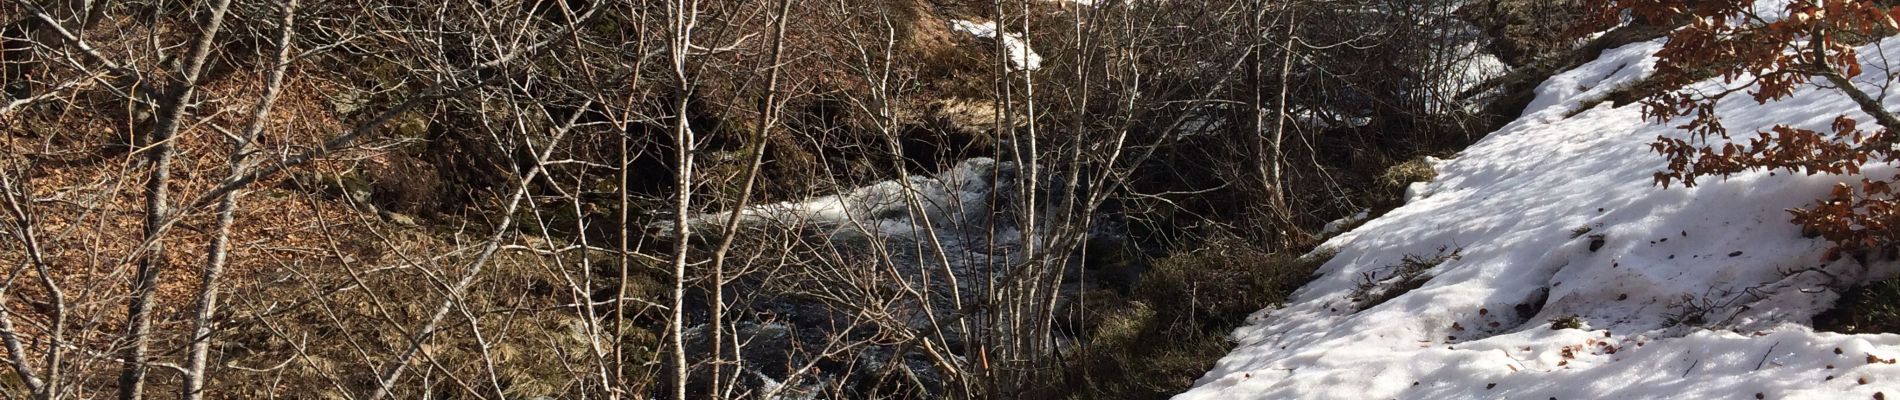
{"points": [[219, 249], [678, 199], [157, 205]]}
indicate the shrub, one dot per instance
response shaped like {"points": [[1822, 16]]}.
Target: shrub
{"points": [[1733, 40]]}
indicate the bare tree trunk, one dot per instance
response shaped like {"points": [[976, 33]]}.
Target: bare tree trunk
{"points": [[1004, 122], [144, 289], [1268, 142], [761, 141], [1867, 103], [43, 385], [626, 229], [625, 257], [683, 16], [218, 251], [1276, 183]]}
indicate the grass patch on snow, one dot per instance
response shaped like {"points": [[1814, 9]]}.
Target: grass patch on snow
{"points": [[1410, 273], [1414, 170], [1871, 308]]}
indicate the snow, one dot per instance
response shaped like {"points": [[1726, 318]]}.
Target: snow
{"points": [[1418, 190], [939, 229], [1338, 225], [1700, 292], [1020, 55], [937, 235], [959, 198]]}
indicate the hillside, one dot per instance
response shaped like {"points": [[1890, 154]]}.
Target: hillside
{"points": [[926, 199], [1545, 262]]}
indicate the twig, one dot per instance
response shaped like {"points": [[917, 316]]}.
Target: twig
{"points": [[1764, 356]]}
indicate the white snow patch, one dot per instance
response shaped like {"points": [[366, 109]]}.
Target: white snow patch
{"points": [[887, 208], [1518, 203], [1418, 190], [1020, 55], [1340, 224]]}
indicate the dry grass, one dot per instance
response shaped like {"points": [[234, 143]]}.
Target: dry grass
{"points": [[1137, 350], [1405, 173], [319, 295]]}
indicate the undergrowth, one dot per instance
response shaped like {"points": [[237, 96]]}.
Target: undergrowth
{"points": [[1171, 327], [1871, 308]]}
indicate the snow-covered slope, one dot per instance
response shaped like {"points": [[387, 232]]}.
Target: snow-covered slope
{"points": [[1699, 293]]}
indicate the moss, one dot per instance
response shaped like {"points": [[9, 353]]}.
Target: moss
{"points": [[1155, 372], [1124, 329], [1571, 321], [410, 125]]}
